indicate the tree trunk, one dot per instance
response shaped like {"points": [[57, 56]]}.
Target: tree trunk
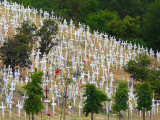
{"points": [[91, 106], [150, 115], [91, 115], [143, 114], [119, 115], [108, 110], [62, 107], [41, 114], [32, 116], [13, 71], [128, 113], [65, 102]]}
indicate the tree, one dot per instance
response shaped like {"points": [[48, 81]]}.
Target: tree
{"points": [[94, 99], [151, 25], [154, 80], [34, 91], [132, 8], [139, 67], [140, 70], [47, 32], [29, 29], [89, 7], [127, 28], [76, 8], [16, 52], [99, 21], [144, 97], [67, 82], [121, 98]]}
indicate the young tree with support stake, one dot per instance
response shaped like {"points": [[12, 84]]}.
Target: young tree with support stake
{"points": [[121, 98], [94, 99], [144, 97], [67, 81], [34, 91]]}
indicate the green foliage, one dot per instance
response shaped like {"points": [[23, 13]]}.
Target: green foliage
{"points": [[19, 90], [87, 11], [28, 28], [127, 28], [141, 42], [127, 7], [94, 99], [99, 21], [151, 25], [26, 3], [75, 7], [154, 80], [138, 68], [89, 7], [47, 32], [144, 96], [68, 80], [34, 91], [121, 98], [16, 52]]}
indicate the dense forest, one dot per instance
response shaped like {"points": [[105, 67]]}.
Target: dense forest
{"points": [[137, 21]]}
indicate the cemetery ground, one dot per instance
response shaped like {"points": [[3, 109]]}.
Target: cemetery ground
{"points": [[114, 70]]}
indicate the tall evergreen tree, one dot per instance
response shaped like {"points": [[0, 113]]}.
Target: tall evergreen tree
{"points": [[34, 91], [121, 98], [144, 97], [94, 99]]}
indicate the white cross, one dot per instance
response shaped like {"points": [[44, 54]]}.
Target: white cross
{"points": [[2, 107], [19, 108]]}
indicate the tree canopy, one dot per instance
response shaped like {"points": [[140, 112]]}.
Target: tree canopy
{"points": [[47, 33], [99, 21], [16, 52], [29, 29], [127, 28], [121, 98], [94, 99], [139, 67], [34, 91], [151, 25], [141, 70], [138, 19], [144, 96]]}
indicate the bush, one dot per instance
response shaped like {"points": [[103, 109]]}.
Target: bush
{"points": [[99, 21], [127, 28]]}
